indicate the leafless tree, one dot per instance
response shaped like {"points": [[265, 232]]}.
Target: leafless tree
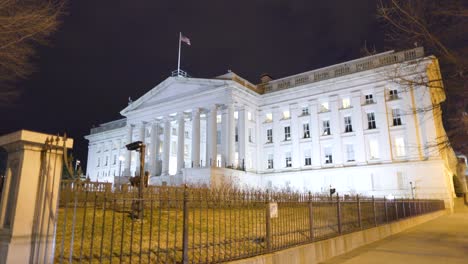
{"points": [[440, 26], [24, 24]]}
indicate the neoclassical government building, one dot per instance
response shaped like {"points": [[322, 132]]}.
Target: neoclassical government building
{"points": [[367, 126]]}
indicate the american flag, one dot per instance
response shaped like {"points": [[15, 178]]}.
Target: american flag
{"points": [[185, 39]]}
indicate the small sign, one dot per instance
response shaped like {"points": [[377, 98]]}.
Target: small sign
{"points": [[273, 210]]}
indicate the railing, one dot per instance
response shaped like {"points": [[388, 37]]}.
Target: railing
{"points": [[109, 126], [342, 69], [199, 225], [181, 73]]}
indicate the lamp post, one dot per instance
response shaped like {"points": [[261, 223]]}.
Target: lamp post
{"points": [[140, 147]]}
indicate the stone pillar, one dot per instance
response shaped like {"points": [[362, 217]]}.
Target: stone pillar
{"points": [[336, 131], [180, 141], [277, 133], [154, 152], [212, 136], [241, 128], [357, 117], [166, 147], [128, 154], [28, 208], [381, 120], [315, 134], [296, 133], [196, 137], [231, 134]]}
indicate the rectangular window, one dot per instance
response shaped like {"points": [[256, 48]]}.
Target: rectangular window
{"points": [[218, 137], [371, 120], [173, 148], [187, 135], [305, 110], [288, 160], [186, 150], [326, 128], [107, 160], [174, 131], [98, 162], [369, 99], [374, 149], [400, 147], [287, 133], [236, 115], [269, 135], [115, 159], [393, 94], [250, 135], [237, 135], [305, 127], [269, 117], [349, 152], [348, 124], [218, 119], [324, 107], [307, 158], [396, 117], [328, 155], [249, 116], [270, 161], [286, 114], [346, 103]]}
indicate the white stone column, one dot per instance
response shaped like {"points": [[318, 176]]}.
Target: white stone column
{"points": [[154, 152], [224, 138], [336, 131], [296, 133], [278, 163], [212, 136], [381, 120], [359, 143], [180, 141], [166, 147], [231, 134], [242, 136], [315, 134], [196, 137], [128, 153]]}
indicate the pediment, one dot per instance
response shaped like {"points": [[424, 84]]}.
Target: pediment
{"points": [[170, 89]]}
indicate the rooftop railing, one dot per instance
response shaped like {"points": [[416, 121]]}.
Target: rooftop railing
{"points": [[359, 65], [109, 126]]}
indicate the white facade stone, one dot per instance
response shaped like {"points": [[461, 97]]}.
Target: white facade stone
{"points": [[329, 127]]}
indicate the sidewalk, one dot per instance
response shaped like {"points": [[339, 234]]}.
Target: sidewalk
{"points": [[442, 240]]}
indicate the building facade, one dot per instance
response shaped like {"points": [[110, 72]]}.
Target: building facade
{"points": [[367, 126]]}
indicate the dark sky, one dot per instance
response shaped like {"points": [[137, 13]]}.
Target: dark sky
{"points": [[108, 50]]}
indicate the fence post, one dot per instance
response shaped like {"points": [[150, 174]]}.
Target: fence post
{"points": [[396, 209], [268, 223], [311, 218], [338, 212], [359, 211], [386, 212], [373, 210], [403, 206], [185, 228]]}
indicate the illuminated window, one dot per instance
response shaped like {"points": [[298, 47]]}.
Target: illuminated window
{"points": [[346, 103], [269, 117], [374, 149], [349, 152], [371, 120], [249, 116], [218, 119], [307, 158], [326, 128], [288, 160], [324, 107], [348, 124], [400, 147], [306, 130], [270, 161], [236, 115], [286, 114], [270, 135], [287, 133], [396, 117], [328, 155]]}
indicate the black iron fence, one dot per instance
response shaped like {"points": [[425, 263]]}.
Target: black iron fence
{"points": [[199, 225]]}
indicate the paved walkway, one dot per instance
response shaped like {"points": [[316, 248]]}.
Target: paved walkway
{"points": [[442, 240]]}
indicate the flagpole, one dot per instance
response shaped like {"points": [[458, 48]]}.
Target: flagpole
{"points": [[178, 61]]}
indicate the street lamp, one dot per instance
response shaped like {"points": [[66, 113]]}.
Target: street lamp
{"points": [[140, 147]]}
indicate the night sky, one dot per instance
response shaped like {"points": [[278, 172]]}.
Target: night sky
{"points": [[108, 50]]}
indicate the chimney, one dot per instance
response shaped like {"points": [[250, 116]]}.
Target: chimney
{"points": [[264, 78]]}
